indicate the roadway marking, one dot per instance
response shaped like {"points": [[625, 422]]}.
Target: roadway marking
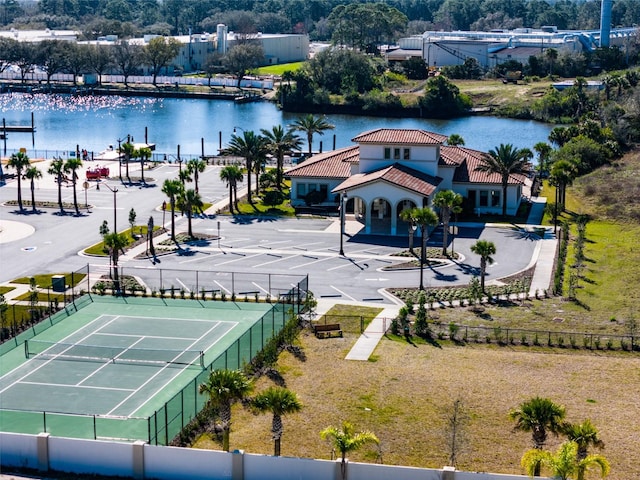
{"points": [[350, 264], [275, 261], [222, 287], [200, 259], [264, 290], [311, 263], [342, 293], [183, 285], [238, 259]]}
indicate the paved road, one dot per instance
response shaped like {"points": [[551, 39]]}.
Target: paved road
{"points": [[251, 247]]}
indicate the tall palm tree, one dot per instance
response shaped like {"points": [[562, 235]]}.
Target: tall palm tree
{"points": [[278, 142], [19, 161], [249, 146], [446, 201], [72, 165], [279, 401], [115, 242], [231, 174], [189, 202], [345, 439], [583, 434], [563, 172], [505, 160], [224, 387], [195, 166], [33, 174], [406, 216], [144, 154], [57, 168], [485, 249], [564, 464], [543, 149], [424, 218], [184, 176], [311, 125], [129, 152], [172, 189], [538, 415]]}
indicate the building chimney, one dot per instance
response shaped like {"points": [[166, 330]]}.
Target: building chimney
{"points": [[605, 23]]}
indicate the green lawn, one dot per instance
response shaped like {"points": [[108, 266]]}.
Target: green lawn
{"points": [[44, 280], [99, 249], [279, 69]]}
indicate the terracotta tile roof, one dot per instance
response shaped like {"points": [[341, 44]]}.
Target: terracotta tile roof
{"points": [[454, 156], [396, 174], [400, 136], [336, 164], [466, 171]]}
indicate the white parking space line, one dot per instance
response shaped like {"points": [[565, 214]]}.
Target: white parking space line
{"points": [[187, 289], [264, 290], [200, 259], [222, 287], [349, 264], [238, 259], [280, 259], [342, 293], [311, 263], [274, 243]]}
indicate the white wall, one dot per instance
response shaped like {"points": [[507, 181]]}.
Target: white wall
{"points": [[424, 159], [90, 456], [265, 467], [186, 463], [18, 450]]}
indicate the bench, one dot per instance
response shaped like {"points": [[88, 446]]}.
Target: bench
{"points": [[327, 330]]}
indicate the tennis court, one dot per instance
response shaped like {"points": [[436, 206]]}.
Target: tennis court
{"points": [[128, 368]]}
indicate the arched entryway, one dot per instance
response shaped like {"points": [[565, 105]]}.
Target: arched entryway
{"points": [[380, 220], [402, 227]]}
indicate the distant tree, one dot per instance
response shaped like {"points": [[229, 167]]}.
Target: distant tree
{"points": [[231, 174], [249, 146], [19, 161], [172, 189], [33, 174], [279, 402], [242, 58], [442, 99], [25, 56], [543, 149], [339, 71], [72, 165], [446, 201], [484, 249], [101, 59], [78, 59], [104, 229], [455, 140], [415, 68], [52, 57], [310, 125], [278, 142], [58, 169], [128, 58], [159, 53]]}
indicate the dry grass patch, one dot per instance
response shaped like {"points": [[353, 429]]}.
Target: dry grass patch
{"points": [[405, 394]]}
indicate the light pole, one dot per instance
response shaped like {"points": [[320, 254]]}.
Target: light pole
{"points": [[114, 190], [343, 195], [422, 255]]}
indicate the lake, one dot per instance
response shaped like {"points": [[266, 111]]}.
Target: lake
{"points": [[94, 123]]}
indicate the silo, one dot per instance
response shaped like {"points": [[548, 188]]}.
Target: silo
{"points": [[221, 33], [605, 23]]}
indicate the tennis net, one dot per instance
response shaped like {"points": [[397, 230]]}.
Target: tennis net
{"points": [[101, 353]]}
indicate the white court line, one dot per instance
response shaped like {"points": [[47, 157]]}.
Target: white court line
{"points": [[311, 263], [107, 363], [274, 261], [52, 359], [77, 386], [238, 259], [180, 371], [342, 293], [349, 264], [156, 337]]}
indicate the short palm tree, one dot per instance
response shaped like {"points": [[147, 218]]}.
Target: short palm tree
{"points": [[224, 387], [423, 218], [484, 249], [538, 415], [72, 165], [33, 174], [279, 401], [455, 140], [249, 146], [57, 168], [563, 172], [311, 125], [144, 154], [19, 161], [345, 439], [543, 149], [584, 435], [115, 242], [505, 160], [446, 201], [406, 216], [564, 464], [172, 189], [278, 142], [231, 174], [129, 152], [190, 202], [195, 167]]}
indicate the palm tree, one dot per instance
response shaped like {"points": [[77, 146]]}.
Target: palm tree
{"points": [[195, 166], [190, 201], [564, 463], [279, 401], [423, 218], [538, 415], [129, 152], [312, 125], [485, 249], [58, 169], [72, 165], [115, 242], [145, 154], [505, 160], [225, 387], [184, 176], [455, 140], [278, 142], [446, 201], [563, 172], [33, 174], [552, 55], [232, 175], [249, 146], [406, 216], [345, 439], [19, 161], [583, 434], [172, 189], [543, 149]]}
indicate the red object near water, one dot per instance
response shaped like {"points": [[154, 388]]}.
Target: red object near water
{"points": [[97, 173]]}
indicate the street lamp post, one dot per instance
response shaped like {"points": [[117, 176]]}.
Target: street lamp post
{"points": [[422, 255], [114, 190], [343, 195]]}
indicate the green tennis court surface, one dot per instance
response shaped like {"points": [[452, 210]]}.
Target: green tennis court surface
{"points": [[128, 368]]}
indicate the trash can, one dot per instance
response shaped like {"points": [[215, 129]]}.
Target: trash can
{"points": [[57, 283]]}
